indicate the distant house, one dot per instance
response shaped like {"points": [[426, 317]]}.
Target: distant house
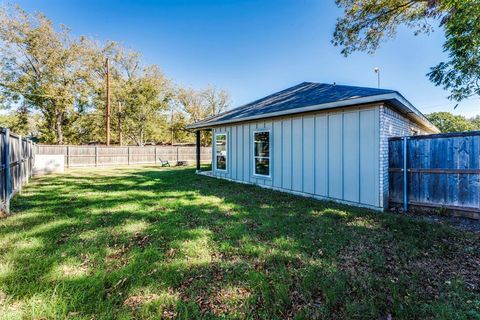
{"points": [[320, 140]]}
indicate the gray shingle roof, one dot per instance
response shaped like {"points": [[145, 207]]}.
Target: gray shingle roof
{"points": [[315, 96]]}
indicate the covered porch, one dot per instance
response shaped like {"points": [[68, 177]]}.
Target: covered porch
{"points": [[198, 153]]}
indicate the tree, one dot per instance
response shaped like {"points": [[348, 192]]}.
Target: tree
{"points": [[177, 124], [447, 122], [199, 105], [475, 121], [216, 101], [192, 103], [203, 103], [21, 122], [59, 80], [366, 23], [142, 93], [147, 96], [42, 69]]}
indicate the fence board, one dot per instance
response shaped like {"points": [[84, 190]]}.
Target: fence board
{"points": [[443, 172], [90, 156], [16, 162]]}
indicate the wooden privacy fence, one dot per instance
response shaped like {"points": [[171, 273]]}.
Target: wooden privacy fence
{"points": [[436, 171], [93, 156], [16, 163]]}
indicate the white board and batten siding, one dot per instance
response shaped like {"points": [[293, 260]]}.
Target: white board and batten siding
{"points": [[328, 155]]}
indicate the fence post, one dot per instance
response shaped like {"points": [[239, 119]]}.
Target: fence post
{"points": [[20, 164], [32, 158], [96, 156], [6, 161], [128, 155], [155, 152], [68, 156], [405, 175], [177, 155], [27, 161]]}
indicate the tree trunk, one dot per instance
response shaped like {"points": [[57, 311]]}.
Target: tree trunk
{"points": [[58, 127]]}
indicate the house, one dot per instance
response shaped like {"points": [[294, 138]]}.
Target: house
{"points": [[325, 141]]}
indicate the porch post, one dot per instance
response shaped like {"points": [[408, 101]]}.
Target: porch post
{"points": [[197, 133]]}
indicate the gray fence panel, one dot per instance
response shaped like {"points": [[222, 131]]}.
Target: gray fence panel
{"points": [[16, 162], [443, 172], [91, 156]]}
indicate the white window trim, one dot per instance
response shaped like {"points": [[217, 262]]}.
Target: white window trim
{"points": [[226, 150], [269, 154]]}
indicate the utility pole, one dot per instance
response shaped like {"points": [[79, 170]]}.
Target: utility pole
{"points": [[120, 137], [107, 114]]}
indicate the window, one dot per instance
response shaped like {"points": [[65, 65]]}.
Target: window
{"points": [[261, 153], [221, 151]]}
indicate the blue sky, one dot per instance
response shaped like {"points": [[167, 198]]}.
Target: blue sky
{"points": [[254, 48]]}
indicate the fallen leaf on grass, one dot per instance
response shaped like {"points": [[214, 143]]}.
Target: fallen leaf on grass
{"points": [[136, 301], [171, 253]]}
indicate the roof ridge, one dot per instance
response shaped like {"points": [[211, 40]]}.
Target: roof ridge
{"points": [[348, 86]]}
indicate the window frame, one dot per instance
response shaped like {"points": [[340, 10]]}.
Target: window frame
{"points": [[257, 175], [226, 151]]}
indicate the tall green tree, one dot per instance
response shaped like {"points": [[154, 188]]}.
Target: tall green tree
{"points": [[147, 97], [138, 94], [42, 69], [366, 23], [448, 122]]}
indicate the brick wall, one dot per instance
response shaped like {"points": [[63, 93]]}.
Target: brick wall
{"points": [[392, 124]]}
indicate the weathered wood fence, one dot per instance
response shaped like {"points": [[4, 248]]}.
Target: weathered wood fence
{"points": [[440, 172], [16, 163], [93, 156]]}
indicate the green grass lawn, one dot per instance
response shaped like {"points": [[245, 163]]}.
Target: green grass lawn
{"points": [[148, 242]]}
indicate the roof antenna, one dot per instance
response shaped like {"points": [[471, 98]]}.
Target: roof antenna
{"points": [[377, 71]]}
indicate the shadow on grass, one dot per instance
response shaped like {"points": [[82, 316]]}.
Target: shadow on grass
{"points": [[149, 242]]}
